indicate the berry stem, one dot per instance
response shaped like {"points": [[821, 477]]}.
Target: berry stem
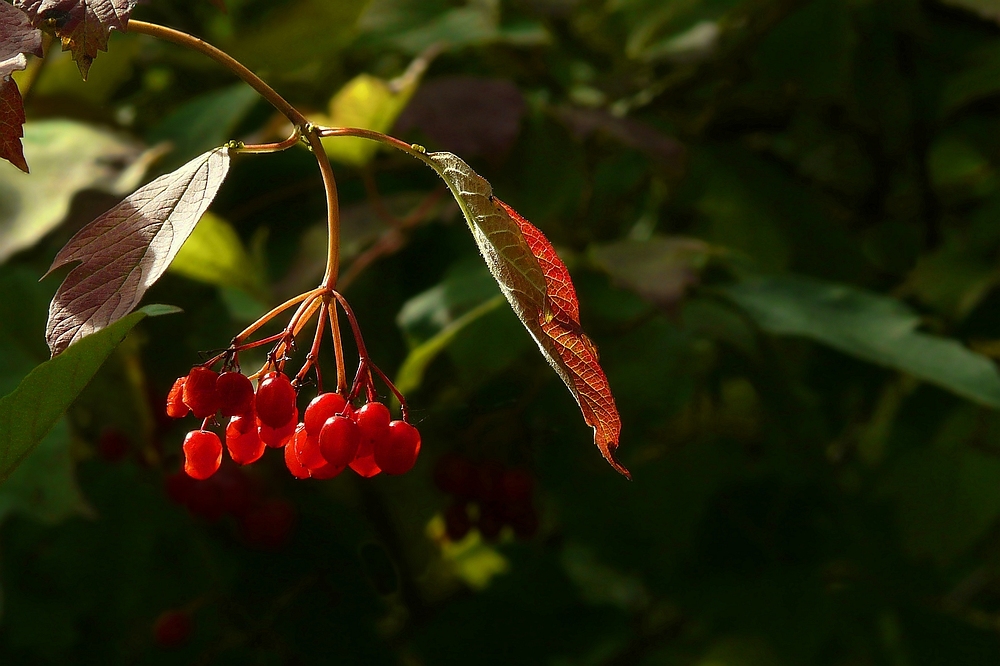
{"points": [[224, 59], [338, 347], [314, 354], [254, 327], [362, 350], [395, 392]]}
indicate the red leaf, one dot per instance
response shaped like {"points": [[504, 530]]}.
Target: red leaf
{"points": [[11, 124], [538, 287], [17, 37], [124, 251], [83, 25]]}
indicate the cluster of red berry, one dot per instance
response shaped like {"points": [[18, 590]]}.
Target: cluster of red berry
{"points": [[265, 521], [332, 435], [486, 496]]}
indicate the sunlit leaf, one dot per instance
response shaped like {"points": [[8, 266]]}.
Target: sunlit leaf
{"points": [[29, 413], [127, 249], [214, 254], [538, 287], [67, 157], [868, 326], [367, 102], [83, 25]]}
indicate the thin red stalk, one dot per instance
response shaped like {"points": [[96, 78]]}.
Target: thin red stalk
{"points": [[338, 347], [362, 351]]}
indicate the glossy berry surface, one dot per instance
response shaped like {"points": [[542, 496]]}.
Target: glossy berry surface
{"points": [[307, 449], [322, 408], [235, 394], [176, 409], [278, 437], [396, 453], [339, 441], [202, 454], [298, 470], [373, 422], [275, 400], [199, 392], [328, 471], [243, 441]]}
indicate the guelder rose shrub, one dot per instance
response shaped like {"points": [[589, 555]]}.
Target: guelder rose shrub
{"points": [[118, 256]]}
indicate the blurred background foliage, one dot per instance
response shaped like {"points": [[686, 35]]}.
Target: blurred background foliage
{"points": [[782, 220]]}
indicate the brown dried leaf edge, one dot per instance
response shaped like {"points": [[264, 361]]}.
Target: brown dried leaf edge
{"points": [[538, 287], [125, 250]]}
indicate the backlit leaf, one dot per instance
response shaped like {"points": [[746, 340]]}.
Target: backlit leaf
{"points": [[127, 249], [214, 254], [83, 25], [370, 103], [30, 412], [17, 37], [538, 287]]}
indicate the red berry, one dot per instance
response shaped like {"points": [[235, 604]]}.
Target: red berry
{"points": [[278, 437], [172, 629], [456, 521], [307, 449], [199, 392], [243, 441], [176, 409], [269, 524], [113, 445], [202, 454], [455, 475], [323, 407], [397, 452], [298, 470], [275, 400], [373, 423], [516, 486], [328, 471], [364, 461], [339, 440], [235, 392]]}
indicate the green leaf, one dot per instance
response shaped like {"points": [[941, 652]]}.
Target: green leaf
{"points": [[367, 102], [44, 486], [66, 157], [214, 254], [29, 413], [411, 373], [204, 122], [868, 326]]}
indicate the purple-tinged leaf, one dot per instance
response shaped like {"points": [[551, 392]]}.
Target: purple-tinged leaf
{"points": [[83, 25], [17, 37], [124, 251]]}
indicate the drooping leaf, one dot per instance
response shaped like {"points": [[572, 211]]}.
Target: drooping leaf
{"points": [[17, 37], [29, 413], [127, 249], [868, 326], [83, 25], [67, 157], [538, 287], [11, 124]]}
